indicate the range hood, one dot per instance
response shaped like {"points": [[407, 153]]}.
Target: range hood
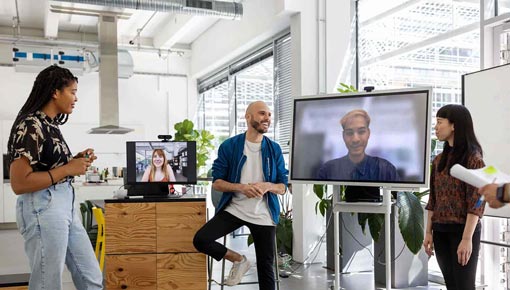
{"points": [[108, 79]]}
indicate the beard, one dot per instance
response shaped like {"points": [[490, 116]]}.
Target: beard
{"points": [[257, 126]]}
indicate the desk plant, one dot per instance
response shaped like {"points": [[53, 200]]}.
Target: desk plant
{"points": [[184, 131]]}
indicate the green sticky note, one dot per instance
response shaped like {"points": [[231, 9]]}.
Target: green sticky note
{"points": [[490, 170]]}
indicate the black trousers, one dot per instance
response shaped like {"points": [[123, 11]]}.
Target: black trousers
{"points": [[224, 223], [456, 277]]}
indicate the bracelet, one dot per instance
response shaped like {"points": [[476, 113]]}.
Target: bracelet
{"points": [[51, 176]]}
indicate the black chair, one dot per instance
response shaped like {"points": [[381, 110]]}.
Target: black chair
{"points": [[215, 198]]}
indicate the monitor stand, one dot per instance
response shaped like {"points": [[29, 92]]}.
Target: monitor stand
{"points": [[150, 189]]}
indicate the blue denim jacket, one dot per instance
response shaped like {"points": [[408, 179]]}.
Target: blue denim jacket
{"points": [[231, 159]]}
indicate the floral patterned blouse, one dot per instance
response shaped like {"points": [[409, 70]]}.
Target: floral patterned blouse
{"points": [[38, 138], [451, 199]]}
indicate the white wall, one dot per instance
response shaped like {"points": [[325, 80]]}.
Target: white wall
{"points": [[150, 104]]}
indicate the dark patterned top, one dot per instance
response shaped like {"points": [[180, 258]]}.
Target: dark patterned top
{"points": [[451, 199], [38, 138]]}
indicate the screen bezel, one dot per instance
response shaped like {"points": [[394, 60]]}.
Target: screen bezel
{"points": [[385, 184], [131, 161]]}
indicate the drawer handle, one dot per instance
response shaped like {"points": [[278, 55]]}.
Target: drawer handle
{"points": [[123, 286], [121, 269]]}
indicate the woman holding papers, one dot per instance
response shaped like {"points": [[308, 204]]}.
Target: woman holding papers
{"points": [[453, 227]]}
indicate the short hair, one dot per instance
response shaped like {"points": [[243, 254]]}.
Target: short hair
{"points": [[355, 113]]}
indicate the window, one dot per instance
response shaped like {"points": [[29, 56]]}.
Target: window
{"points": [[261, 75], [255, 83], [419, 43]]}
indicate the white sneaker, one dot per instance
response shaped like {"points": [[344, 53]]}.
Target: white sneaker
{"points": [[237, 272]]}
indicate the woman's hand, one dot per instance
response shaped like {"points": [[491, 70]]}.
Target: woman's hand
{"points": [[464, 251], [77, 166], [87, 153], [428, 244]]}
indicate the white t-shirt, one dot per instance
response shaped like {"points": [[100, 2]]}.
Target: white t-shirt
{"points": [[253, 210]]}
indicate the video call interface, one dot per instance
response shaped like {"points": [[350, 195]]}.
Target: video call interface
{"points": [[171, 156], [397, 135]]}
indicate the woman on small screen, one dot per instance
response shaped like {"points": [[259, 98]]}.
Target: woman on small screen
{"points": [[159, 169], [453, 227]]}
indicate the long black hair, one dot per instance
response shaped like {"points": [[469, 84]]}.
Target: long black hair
{"points": [[465, 143], [46, 83]]}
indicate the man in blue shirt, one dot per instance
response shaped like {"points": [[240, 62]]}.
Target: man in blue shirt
{"points": [[250, 171], [357, 165]]}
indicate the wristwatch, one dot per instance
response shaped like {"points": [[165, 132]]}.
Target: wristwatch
{"points": [[503, 193], [500, 193]]}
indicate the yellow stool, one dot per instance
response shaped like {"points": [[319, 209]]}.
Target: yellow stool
{"points": [[100, 242]]}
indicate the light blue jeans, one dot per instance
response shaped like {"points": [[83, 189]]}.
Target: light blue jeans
{"points": [[54, 236]]}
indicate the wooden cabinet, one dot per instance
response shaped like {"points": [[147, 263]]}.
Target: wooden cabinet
{"points": [[181, 271], [134, 271], [149, 245], [130, 228]]}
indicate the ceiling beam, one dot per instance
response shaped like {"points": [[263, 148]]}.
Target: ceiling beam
{"points": [[173, 30], [51, 20], [182, 29]]}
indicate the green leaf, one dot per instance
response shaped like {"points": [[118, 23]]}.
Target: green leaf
{"points": [[284, 234], [410, 220], [250, 240], [375, 223], [319, 190], [322, 208], [362, 221]]}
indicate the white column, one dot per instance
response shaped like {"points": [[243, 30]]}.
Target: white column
{"points": [[306, 80]]}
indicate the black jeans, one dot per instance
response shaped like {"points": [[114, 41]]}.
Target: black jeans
{"points": [[456, 277], [224, 223]]}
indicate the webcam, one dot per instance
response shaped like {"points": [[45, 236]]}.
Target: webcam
{"points": [[165, 138], [368, 89]]}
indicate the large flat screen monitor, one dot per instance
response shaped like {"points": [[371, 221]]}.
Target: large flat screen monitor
{"points": [[153, 165], [380, 138]]}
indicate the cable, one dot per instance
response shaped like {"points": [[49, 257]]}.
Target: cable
{"points": [[319, 244], [316, 247]]}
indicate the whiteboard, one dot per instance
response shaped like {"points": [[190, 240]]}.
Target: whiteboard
{"points": [[486, 94]]}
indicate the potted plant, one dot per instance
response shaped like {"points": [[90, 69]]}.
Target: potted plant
{"points": [[184, 131]]}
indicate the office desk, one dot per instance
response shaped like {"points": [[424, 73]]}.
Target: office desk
{"points": [[149, 244]]}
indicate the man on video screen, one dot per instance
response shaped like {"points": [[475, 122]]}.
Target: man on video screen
{"points": [[357, 165]]}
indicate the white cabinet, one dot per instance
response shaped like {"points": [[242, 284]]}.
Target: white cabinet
{"points": [[9, 204]]}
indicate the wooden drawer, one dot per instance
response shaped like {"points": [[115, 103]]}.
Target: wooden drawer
{"points": [[136, 272], [177, 223], [130, 228], [182, 271], [14, 288]]}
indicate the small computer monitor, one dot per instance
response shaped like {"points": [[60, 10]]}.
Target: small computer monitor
{"points": [[154, 166]]}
